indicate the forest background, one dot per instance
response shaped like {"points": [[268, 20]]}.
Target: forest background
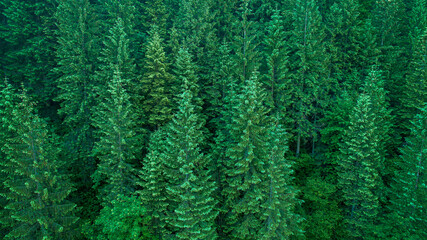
{"points": [[227, 119]]}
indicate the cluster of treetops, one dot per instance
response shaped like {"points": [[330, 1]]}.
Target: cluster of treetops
{"points": [[213, 119]]}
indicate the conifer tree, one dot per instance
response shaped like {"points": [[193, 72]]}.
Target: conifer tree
{"points": [[279, 217], [156, 83], [352, 47], [244, 45], [308, 75], [278, 75], [409, 189], [76, 59], [357, 171], [117, 146], [153, 183], [156, 14], [37, 188], [415, 89], [29, 48], [185, 73], [245, 166], [189, 184]]}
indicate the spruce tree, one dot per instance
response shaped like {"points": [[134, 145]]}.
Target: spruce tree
{"points": [[189, 184], [117, 146], [278, 75], [409, 189], [156, 83], [37, 188], [415, 89], [279, 218], [308, 64], [357, 171], [76, 59], [156, 14], [244, 45], [152, 180], [245, 166]]}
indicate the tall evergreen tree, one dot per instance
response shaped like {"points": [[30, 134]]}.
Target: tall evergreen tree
{"points": [[279, 218], [415, 89], [152, 180], [76, 59], [29, 53], [352, 45], [245, 166], [409, 189], [308, 64], [357, 171], [37, 187], [117, 146], [156, 83], [189, 184], [244, 45]]}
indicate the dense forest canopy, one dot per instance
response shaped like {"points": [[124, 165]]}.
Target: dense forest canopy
{"points": [[213, 119]]}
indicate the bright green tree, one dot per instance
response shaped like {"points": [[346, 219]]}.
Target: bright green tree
{"points": [[279, 218], [124, 219], [189, 184], [156, 83], [37, 188], [358, 173], [409, 188], [153, 183], [245, 166]]}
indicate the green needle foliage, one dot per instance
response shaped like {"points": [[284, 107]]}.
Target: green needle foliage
{"points": [[279, 217], [358, 173], [37, 188], [189, 184], [156, 82], [409, 187], [117, 146], [153, 183], [124, 219], [245, 166]]}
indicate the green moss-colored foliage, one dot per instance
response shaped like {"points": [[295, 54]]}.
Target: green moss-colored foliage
{"points": [[124, 219], [37, 189], [358, 171], [409, 188]]}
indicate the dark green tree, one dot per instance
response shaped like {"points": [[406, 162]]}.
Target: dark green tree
{"points": [[37, 188], [308, 61], [76, 63], [357, 172], [415, 89], [409, 189], [189, 184]]}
